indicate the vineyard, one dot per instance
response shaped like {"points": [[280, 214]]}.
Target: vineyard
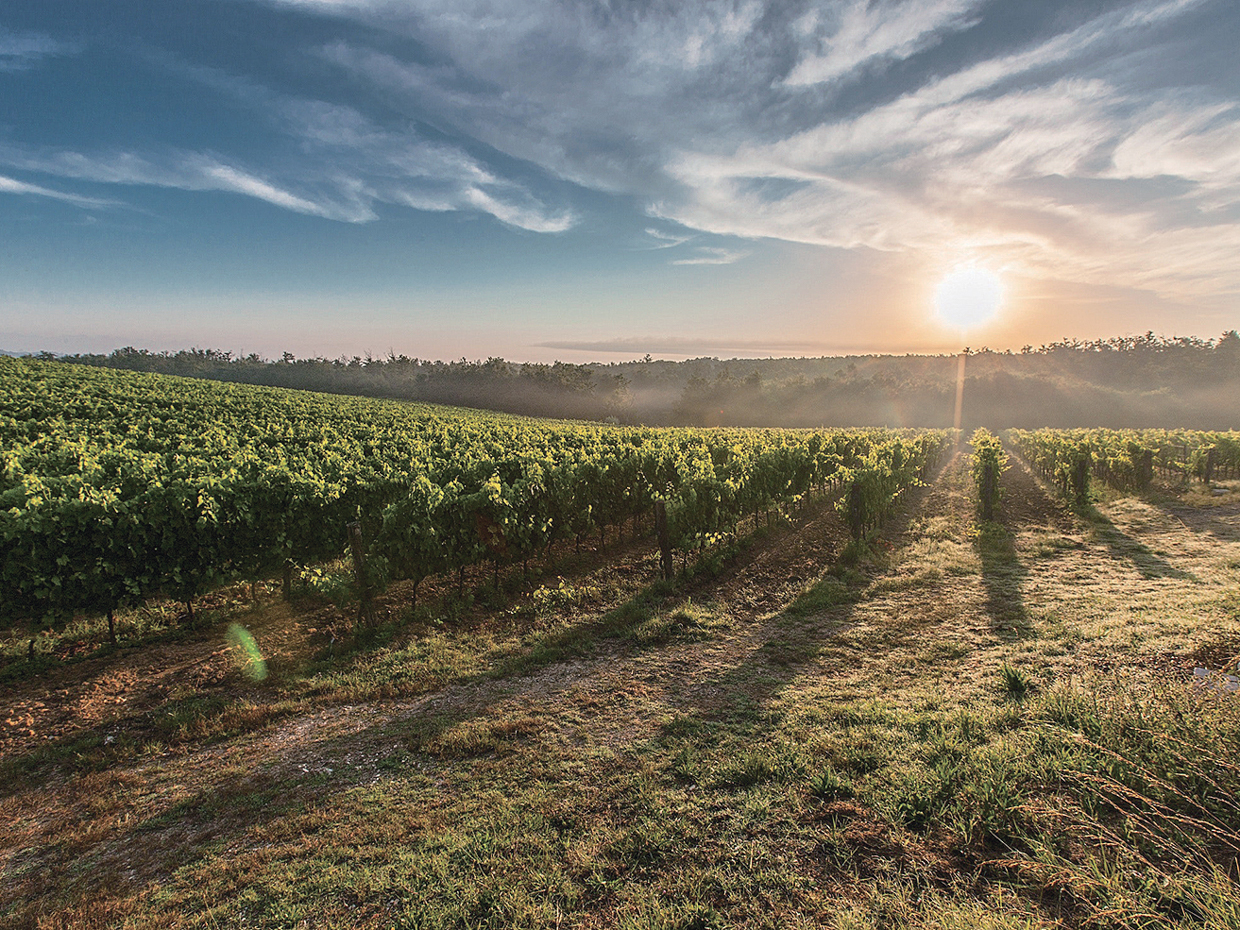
{"points": [[1129, 460], [896, 681], [117, 487]]}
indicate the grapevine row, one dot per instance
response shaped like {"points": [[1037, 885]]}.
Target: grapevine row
{"points": [[1128, 459], [114, 486], [989, 463]]}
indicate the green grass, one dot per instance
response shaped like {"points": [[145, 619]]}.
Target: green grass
{"points": [[975, 730]]}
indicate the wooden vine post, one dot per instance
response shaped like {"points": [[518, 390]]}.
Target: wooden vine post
{"points": [[665, 541], [1079, 476], [989, 490], [365, 607], [856, 510], [1145, 469]]}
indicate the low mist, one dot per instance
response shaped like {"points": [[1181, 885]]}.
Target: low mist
{"points": [[1146, 381]]}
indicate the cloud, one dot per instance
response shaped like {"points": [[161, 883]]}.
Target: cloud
{"points": [[20, 51], [584, 91], [11, 186], [943, 169], [932, 127], [860, 33], [664, 240], [347, 166], [1178, 139], [402, 167], [230, 179], [335, 162], [529, 217], [942, 128], [188, 171], [377, 164], [708, 255]]}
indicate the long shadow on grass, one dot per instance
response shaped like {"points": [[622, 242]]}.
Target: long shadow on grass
{"points": [[419, 741], [820, 617], [224, 806], [133, 854], [119, 739], [1221, 522], [1025, 503], [1003, 576], [456, 722], [1124, 548], [431, 734]]}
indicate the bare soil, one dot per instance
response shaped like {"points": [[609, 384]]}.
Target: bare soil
{"points": [[928, 592]]}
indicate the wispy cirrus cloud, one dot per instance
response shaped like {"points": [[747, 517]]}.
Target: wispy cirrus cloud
{"points": [[700, 254], [335, 162], [405, 168], [13, 186], [793, 121], [666, 240], [395, 165], [1095, 143], [843, 39], [227, 178], [20, 51], [188, 171], [350, 167], [711, 255], [947, 168]]}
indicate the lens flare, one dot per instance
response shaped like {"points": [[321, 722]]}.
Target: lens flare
{"points": [[253, 666], [968, 297]]}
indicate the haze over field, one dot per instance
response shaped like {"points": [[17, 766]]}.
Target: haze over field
{"points": [[593, 180]]}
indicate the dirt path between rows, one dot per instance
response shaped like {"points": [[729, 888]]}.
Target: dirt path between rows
{"points": [[937, 614], [337, 746]]}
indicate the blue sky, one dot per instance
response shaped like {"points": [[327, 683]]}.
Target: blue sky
{"points": [[602, 179]]}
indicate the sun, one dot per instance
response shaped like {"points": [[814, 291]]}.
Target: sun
{"points": [[968, 297]]}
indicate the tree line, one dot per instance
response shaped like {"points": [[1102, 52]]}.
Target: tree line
{"points": [[1120, 382]]}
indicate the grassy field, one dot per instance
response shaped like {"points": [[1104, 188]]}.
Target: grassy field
{"points": [[982, 725]]}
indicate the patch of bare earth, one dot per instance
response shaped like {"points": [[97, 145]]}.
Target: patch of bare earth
{"points": [[930, 620], [136, 822]]}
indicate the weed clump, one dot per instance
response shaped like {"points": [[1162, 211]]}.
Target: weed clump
{"points": [[1014, 683], [830, 785]]}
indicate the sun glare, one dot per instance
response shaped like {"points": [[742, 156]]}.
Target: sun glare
{"points": [[968, 297]]}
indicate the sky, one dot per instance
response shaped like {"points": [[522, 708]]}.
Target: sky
{"points": [[597, 179]]}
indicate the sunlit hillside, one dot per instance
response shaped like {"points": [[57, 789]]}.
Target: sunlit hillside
{"points": [[1145, 381], [281, 659]]}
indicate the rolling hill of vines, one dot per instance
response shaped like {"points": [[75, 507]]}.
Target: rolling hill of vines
{"points": [[116, 486]]}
